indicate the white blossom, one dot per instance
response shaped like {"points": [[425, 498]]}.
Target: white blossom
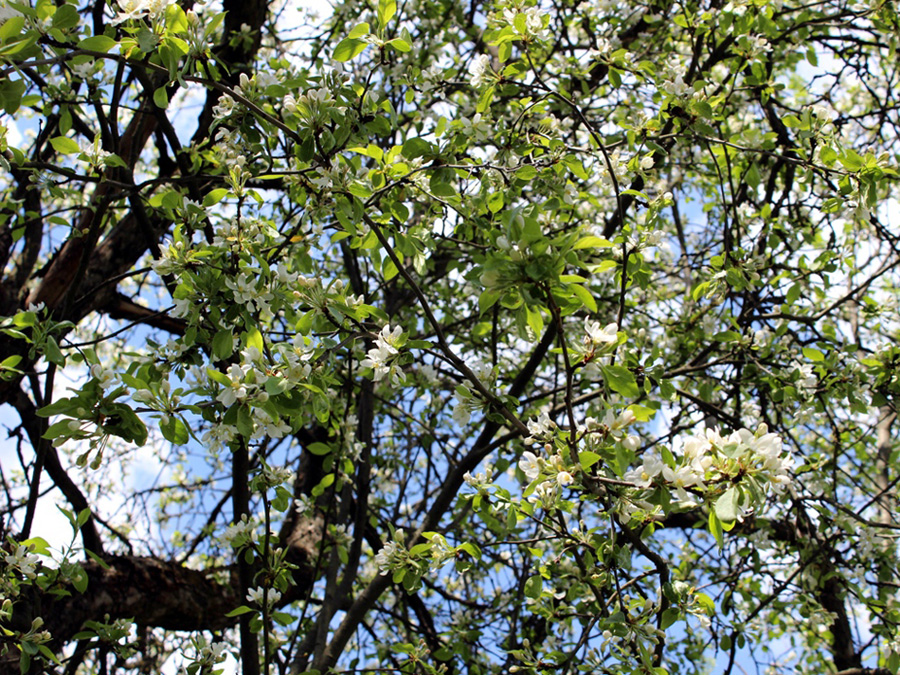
{"points": [[391, 556], [599, 336], [106, 377], [650, 468], [258, 596], [23, 560], [130, 10], [381, 357], [541, 428], [238, 533], [530, 465], [478, 70]]}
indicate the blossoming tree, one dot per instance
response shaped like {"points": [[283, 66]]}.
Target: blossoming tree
{"points": [[438, 337]]}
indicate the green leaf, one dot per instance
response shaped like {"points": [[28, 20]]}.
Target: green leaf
{"points": [[415, 147], [161, 98], [213, 197], [471, 549], [620, 380], [11, 28], [359, 30], [253, 338], [495, 202], [244, 422], [223, 344], [97, 43], [52, 351], [669, 617], [243, 609], [66, 16], [64, 406], [400, 45], [83, 516], [174, 430], [727, 336], [124, 423], [283, 618], [813, 354], [851, 160], [699, 290], [349, 48], [642, 413], [440, 188], [38, 545], [487, 299], [386, 11], [323, 485], [533, 586], [728, 507], [587, 459], [79, 579], [219, 377], [794, 293], [715, 528], [535, 319], [65, 146], [583, 294], [319, 449], [283, 498], [592, 242], [97, 559], [10, 362]]}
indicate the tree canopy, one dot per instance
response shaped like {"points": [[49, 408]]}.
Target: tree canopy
{"points": [[440, 336]]}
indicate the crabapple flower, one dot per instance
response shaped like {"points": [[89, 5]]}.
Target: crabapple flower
{"points": [[23, 560], [643, 476], [239, 533], [541, 428], [479, 68], [258, 596], [107, 378], [391, 556], [807, 378], [530, 465], [138, 9], [631, 442], [237, 391], [461, 413], [380, 358], [600, 336], [713, 462], [615, 423]]}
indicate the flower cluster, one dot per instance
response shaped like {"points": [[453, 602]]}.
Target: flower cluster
{"points": [[260, 597], [382, 357], [674, 83], [208, 654], [251, 291], [22, 560], [615, 426], [597, 336], [392, 556], [480, 70], [553, 470], [131, 10], [531, 24], [541, 429], [240, 533], [709, 463]]}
